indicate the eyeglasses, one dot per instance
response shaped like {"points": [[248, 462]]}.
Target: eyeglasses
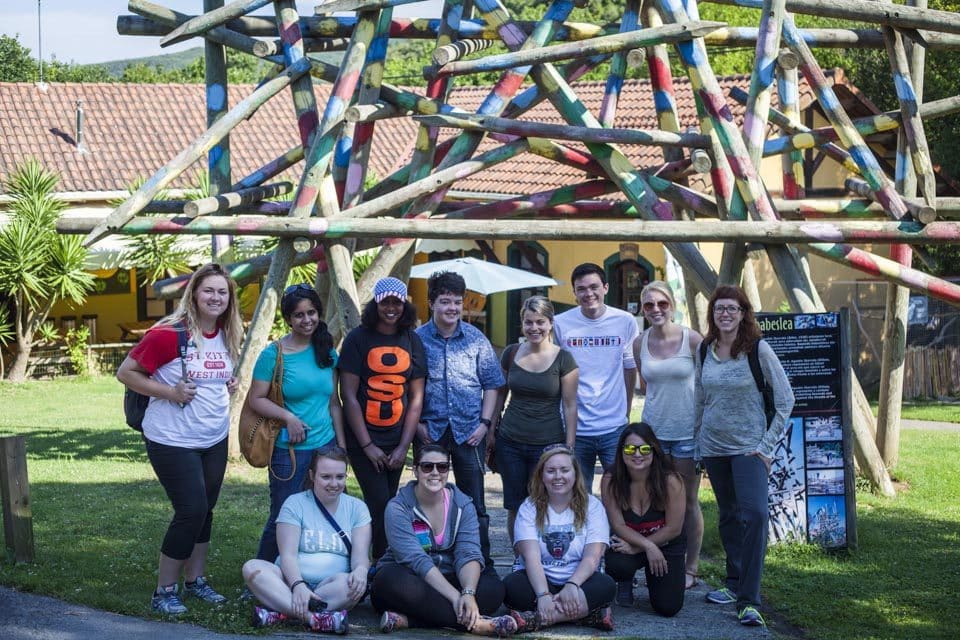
{"points": [[731, 309], [663, 305], [303, 286], [428, 467], [633, 449]]}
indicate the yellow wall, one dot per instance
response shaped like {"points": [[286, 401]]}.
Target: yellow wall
{"points": [[110, 309]]}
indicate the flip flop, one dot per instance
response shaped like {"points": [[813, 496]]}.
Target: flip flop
{"points": [[695, 582]]}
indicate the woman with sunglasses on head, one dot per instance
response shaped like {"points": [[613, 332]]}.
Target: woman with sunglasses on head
{"points": [[665, 355], [311, 411], [382, 371], [431, 574], [560, 535], [644, 499], [324, 540], [736, 443], [186, 423], [542, 383]]}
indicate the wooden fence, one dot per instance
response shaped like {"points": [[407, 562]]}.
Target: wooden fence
{"points": [[932, 373]]}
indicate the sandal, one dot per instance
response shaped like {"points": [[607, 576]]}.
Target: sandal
{"points": [[693, 583]]}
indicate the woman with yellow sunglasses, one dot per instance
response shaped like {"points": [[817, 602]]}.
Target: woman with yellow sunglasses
{"points": [[644, 499]]}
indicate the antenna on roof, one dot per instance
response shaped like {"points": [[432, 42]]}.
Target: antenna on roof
{"points": [[81, 148], [41, 84]]}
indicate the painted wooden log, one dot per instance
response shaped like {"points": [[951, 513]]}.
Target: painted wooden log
{"points": [[218, 158], [761, 79], [458, 49], [273, 168], [327, 7], [191, 154], [595, 46], [920, 210], [618, 66], [170, 19], [233, 199], [788, 91], [211, 19]]}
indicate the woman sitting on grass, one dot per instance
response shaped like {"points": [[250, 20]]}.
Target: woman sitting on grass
{"points": [[324, 540], [430, 575], [560, 535], [644, 498]]}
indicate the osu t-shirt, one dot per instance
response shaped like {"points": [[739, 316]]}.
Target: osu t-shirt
{"points": [[204, 421], [561, 545], [385, 365]]}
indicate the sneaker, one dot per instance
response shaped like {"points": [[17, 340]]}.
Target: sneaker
{"points": [[201, 589], [329, 622], [527, 621], [246, 595], [391, 621], [600, 618], [504, 626], [750, 617], [263, 617], [625, 593], [166, 600], [722, 596]]}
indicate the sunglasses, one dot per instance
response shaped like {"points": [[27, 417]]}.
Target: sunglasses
{"points": [[428, 467], [731, 309], [633, 449], [559, 446], [303, 286], [663, 305]]}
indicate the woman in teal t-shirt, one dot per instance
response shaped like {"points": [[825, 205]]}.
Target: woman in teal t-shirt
{"points": [[312, 414]]}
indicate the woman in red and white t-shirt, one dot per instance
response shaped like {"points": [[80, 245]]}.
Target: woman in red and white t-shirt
{"points": [[186, 423]]}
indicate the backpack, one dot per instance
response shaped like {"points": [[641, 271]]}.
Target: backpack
{"points": [[766, 391], [134, 403]]}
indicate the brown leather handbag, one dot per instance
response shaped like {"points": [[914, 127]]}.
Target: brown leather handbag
{"points": [[258, 434]]}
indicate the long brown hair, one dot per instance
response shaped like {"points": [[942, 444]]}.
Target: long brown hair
{"points": [[748, 333], [229, 321], [538, 491], [660, 469]]}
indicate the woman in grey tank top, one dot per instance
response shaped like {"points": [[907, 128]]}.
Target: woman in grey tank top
{"points": [[665, 358]]}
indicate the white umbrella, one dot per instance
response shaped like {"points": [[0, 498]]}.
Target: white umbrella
{"points": [[484, 277]]}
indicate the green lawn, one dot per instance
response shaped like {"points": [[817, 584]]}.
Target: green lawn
{"points": [[99, 515]]}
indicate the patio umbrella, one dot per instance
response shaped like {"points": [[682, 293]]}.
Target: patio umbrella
{"points": [[484, 277]]}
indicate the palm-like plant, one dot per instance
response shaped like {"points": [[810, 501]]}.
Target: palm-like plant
{"points": [[38, 266]]}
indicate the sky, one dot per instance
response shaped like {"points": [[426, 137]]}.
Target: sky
{"points": [[85, 31]]}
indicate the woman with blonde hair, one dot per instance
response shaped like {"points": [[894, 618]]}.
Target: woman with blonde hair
{"points": [[560, 535], [186, 422], [542, 383], [665, 358]]}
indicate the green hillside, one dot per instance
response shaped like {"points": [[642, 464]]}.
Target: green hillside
{"points": [[166, 61]]}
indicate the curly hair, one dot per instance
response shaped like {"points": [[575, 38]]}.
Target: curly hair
{"points": [[229, 321], [661, 468], [369, 317], [538, 491], [748, 333]]}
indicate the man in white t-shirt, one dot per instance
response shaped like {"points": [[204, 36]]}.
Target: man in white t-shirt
{"points": [[601, 340]]}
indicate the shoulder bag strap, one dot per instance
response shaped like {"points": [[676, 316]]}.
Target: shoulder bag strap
{"points": [[753, 357], [276, 392], [333, 523]]}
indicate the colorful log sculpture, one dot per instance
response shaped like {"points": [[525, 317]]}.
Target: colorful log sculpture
{"points": [[331, 201]]}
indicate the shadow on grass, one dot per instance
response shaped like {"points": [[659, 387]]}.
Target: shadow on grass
{"points": [[84, 444]]}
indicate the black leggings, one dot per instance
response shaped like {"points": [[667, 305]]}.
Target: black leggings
{"points": [[192, 479], [598, 588], [397, 588], [378, 488], [666, 592]]}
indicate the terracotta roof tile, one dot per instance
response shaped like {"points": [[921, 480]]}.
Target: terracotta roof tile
{"points": [[131, 130]]}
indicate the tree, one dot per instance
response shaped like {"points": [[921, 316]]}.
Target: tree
{"points": [[38, 266], [16, 65]]}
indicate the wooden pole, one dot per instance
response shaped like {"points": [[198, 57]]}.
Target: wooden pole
{"points": [[218, 158], [210, 19], [232, 199], [15, 490], [171, 19], [457, 49]]}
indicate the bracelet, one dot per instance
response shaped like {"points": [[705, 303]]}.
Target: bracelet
{"points": [[540, 595], [367, 445], [571, 582], [296, 583], [468, 592]]}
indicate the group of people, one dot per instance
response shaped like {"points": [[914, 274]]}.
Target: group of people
{"points": [[542, 414]]}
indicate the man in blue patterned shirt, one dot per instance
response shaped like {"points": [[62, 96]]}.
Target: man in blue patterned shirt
{"points": [[463, 375]]}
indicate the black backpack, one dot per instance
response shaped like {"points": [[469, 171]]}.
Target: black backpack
{"points": [[753, 359], [134, 403]]}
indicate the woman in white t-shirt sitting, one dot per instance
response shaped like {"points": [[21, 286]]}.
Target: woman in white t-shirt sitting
{"points": [[324, 540], [560, 536]]}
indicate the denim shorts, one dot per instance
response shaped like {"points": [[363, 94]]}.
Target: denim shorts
{"points": [[678, 448]]}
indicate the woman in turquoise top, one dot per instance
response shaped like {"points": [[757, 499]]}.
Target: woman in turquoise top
{"points": [[312, 414]]}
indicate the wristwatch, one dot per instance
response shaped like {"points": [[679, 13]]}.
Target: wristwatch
{"points": [[486, 422]]}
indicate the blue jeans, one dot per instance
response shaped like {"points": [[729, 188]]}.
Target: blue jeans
{"points": [[280, 490], [516, 462], [740, 484], [589, 448]]}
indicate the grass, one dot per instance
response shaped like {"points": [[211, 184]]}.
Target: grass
{"points": [[99, 515], [928, 410]]}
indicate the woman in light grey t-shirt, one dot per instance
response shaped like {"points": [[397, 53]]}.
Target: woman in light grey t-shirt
{"points": [[665, 357], [736, 443]]}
